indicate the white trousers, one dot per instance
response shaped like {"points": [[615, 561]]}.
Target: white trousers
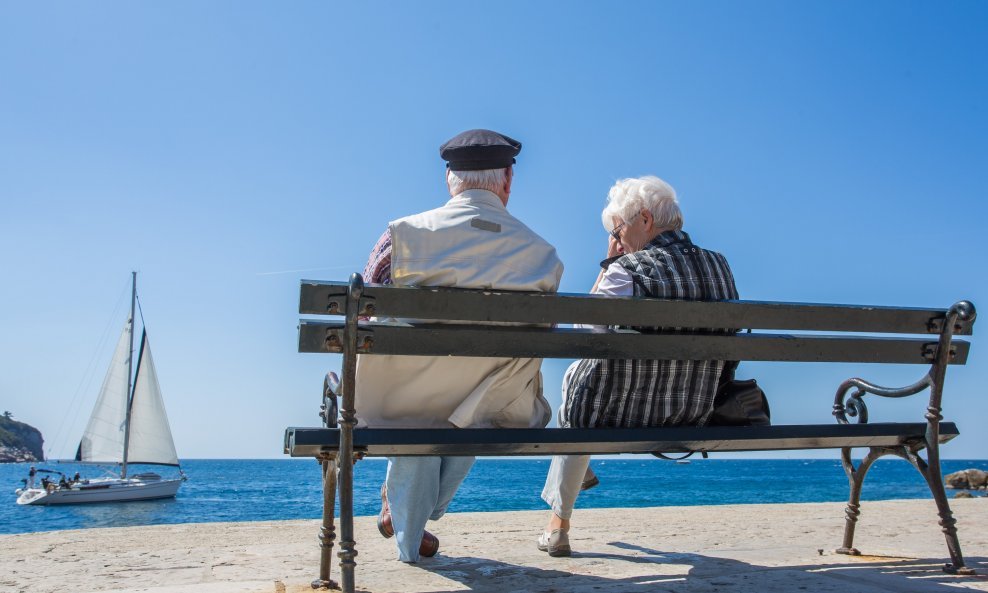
{"points": [[566, 472], [562, 485]]}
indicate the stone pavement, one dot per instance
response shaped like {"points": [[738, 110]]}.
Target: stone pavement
{"points": [[737, 548]]}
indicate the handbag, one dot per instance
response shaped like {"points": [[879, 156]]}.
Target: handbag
{"points": [[739, 403]]}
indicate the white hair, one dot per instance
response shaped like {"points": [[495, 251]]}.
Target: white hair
{"points": [[628, 197], [492, 180]]}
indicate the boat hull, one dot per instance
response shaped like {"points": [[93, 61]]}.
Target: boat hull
{"points": [[108, 490]]}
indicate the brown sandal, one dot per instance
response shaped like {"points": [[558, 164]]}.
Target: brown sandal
{"points": [[429, 546], [384, 517], [430, 543]]}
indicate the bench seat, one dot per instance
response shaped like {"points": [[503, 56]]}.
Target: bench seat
{"points": [[382, 442]]}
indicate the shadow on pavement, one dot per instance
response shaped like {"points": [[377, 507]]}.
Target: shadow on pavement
{"points": [[633, 568]]}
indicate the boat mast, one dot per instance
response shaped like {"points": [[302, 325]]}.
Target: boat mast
{"points": [[130, 376]]}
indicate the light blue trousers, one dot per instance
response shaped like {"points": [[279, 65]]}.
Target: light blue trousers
{"points": [[419, 489]]}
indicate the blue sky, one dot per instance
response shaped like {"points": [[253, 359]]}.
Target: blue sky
{"points": [[833, 151]]}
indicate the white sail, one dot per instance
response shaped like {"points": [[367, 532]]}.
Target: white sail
{"points": [[150, 436], [103, 440]]}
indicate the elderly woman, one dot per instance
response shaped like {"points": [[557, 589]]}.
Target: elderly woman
{"points": [[648, 255]]}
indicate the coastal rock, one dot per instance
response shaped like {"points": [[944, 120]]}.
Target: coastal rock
{"points": [[19, 442], [964, 494], [968, 479]]}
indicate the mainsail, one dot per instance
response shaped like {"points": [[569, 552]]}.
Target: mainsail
{"points": [[103, 440], [150, 435]]}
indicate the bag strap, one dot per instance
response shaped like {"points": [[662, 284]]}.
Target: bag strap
{"points": [[730, 367], [727, 374], [686, 456]]}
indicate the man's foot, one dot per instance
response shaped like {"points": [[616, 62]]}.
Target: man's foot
{"points": [[430, 543], [555, 543]]}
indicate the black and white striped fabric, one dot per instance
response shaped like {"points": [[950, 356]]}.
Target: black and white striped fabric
{"points": [[641, 393]]}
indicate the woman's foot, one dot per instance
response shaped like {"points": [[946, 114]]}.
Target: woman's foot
{"points": [[555, 543], [589, 480]]}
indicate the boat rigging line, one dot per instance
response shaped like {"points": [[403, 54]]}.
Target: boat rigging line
{"points": [[85, 381]]}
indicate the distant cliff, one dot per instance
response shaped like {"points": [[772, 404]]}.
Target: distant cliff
{"points": [[19, 441]]}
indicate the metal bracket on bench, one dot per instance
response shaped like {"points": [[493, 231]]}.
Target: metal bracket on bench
{"points": [[334, 340], [930, 351], [366, 307], [336, 305], [961, 324]]}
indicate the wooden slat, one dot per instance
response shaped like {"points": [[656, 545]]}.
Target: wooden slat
{"points": [[472, 340], [310, 442], [319, 298]]}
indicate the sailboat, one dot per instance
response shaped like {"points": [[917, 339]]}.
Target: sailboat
{"points": [[128, 426]]}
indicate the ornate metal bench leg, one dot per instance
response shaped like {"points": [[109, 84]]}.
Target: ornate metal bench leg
{"points": [[327, 535], [931, 472], [855, 478], [347, 551], [348, 422], [959, 312], [956, 318]]}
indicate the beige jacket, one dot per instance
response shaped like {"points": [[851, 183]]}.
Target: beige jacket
{"points": [[471, 242]]}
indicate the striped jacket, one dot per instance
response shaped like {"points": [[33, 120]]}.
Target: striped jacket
{"points": [[639, 393]]}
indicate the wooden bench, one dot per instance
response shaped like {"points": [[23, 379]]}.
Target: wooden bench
{"points": [[845, 339]]}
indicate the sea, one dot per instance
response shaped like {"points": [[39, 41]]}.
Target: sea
{"points": [[275, 490]]}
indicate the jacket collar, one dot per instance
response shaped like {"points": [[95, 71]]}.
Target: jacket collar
{"points": [[478, 196], [668, 238], [661, 241]]}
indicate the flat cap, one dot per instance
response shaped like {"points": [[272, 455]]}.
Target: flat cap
{"points": [[474, 150]]}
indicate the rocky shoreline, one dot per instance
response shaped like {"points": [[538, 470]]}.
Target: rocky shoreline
{"points": [[19, 442], [968, 479]]}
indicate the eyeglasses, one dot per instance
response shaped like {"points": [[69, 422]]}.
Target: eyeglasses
{"points": [[616, 231]]}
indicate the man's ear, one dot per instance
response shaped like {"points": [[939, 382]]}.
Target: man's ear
{"points": [[507, 180]]}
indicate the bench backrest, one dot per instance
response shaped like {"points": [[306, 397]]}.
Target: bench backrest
{"points": [[474, 311]]}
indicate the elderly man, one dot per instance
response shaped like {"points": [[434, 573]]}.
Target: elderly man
{"points": [[649, 255], [470, 242]]}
